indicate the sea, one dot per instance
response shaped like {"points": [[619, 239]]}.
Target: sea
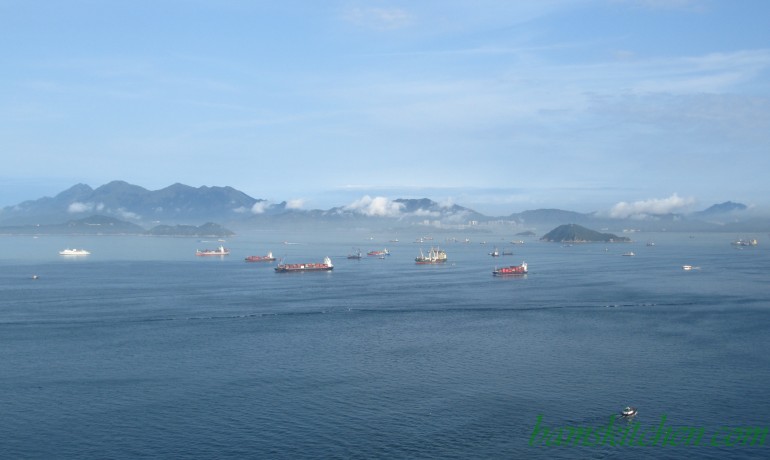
{"points": [[143, 350]]}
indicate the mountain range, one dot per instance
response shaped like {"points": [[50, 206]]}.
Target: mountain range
{"points": [[180, 204]]}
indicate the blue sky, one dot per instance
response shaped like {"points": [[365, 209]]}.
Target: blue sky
{"points": [[498, 106]]}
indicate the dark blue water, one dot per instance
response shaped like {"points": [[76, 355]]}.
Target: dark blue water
{"points": [[144, 350]]}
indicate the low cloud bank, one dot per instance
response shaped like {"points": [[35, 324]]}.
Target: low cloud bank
{"points": [[78, 207], [295, 204], [378, 206], [651, 207], [259, 207]]}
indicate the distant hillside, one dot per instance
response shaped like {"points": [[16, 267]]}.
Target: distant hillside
{"points": [[103, 225], [208, 230], [177, 203], [545, 216], [93, 225], [573, 233], [722, 208]]}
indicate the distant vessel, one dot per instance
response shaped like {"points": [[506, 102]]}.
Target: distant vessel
{"points": [[434, 256], [495, 252], [74, 252], [687, 267], [266, 258], [384, 252], [511, 270], [742, 242], [355, 255], [220, 251], [628, 254], [628, 411], [507, 253], [306, 267]]}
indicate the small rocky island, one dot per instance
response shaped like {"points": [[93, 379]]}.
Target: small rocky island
{"points": [[573, 233]]}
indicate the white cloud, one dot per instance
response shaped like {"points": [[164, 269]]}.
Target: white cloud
{"points": [[378, 206], [379, 18], [259, 207], [78, 207], [125, 214], [298, 203], [651, 207], [426, 213]]}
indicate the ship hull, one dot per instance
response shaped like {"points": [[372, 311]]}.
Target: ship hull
{"points": [[302, 269]]}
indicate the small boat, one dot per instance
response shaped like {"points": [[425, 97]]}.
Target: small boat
{"points": [[266, 258], [628, 411], [74, 252], [687, 267], [35, 277], [511, 270], [742, 242], [507, 253], [495, 253], [355, 255], [220, 251], [384, 252], [326, 265], [628, 254], [434, 256]]}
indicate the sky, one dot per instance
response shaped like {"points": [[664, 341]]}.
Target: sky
{"points": [[587, 105]]}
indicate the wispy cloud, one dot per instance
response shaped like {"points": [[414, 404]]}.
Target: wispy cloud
{"points": [[77, 207], [652, 207], [687, 5], [379, 18]]}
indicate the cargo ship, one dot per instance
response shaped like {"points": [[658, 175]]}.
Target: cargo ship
{"points": [[434, 256], [266, 258], [511, 270], [384, 252], [326, 265], [220, 251]]}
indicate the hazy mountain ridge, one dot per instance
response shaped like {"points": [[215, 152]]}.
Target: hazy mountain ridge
{"points": [[176, 203], [104, 225], [180, 204]]}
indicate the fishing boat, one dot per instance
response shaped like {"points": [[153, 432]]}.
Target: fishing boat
{"points": [[326, 265], [511, 270], [384, 252], [495, 252], [73, 252], [434, 256], [220, 251], [266, 258]]}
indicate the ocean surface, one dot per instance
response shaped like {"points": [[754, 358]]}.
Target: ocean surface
{"points": [[143, 350]]}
